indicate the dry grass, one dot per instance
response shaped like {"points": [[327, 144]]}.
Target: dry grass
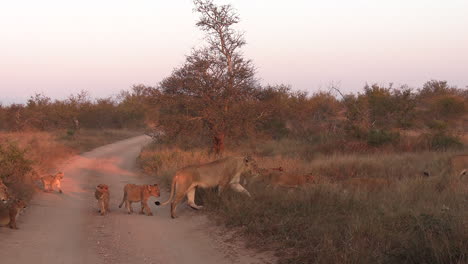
{"points": [[413, 220]]}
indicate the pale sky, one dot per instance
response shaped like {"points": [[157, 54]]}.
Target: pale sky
{"points": [[59, 47]]}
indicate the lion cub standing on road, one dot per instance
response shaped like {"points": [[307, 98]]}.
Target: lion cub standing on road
{"points": [[52, 181], [102, 195], [139, 193], [9, 214]]}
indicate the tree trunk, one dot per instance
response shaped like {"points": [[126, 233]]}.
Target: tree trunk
{"points": [[218, 144]]}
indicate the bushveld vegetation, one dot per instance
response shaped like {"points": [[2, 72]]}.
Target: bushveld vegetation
{"points": [[383, 132], [213, 105], [36, 136]]}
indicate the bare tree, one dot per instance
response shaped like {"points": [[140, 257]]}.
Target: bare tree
{"points": [[216, 81]]}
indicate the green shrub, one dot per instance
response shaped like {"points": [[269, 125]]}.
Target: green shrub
{"points": [[442, 141], [13, 163], [377, 137]]}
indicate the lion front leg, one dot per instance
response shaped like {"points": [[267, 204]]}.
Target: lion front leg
{"points": [[106, 205], [145, 208], [238, 188], [103, 208], [58, 185], [12, 223]]}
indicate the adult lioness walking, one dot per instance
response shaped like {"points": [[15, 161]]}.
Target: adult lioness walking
{"points": [[222, 173]]}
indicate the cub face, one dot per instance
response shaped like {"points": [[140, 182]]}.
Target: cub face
{"points": [[153, 190], [101, 189], [19, 204]]}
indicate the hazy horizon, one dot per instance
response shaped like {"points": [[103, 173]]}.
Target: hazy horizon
{"points": [[59, 48]]}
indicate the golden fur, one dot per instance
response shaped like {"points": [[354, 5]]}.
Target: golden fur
{"points": [[102, 195], [50, 182], [220, 173], [139, 193], [459, 164], [4, 195], [10, 212]]}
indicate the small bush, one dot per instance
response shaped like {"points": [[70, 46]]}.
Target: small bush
{"points": [[440, 141], [13, 163], [377, 137]]}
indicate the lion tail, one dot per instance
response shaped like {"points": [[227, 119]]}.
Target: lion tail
{"points": [[173, 185], [123, 199]]}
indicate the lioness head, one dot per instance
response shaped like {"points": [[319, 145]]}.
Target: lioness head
{"points": [[4, 196], [251, 166], [153, 190]]}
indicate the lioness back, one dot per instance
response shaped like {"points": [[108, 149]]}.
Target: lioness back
{"points": [[212, 173]]}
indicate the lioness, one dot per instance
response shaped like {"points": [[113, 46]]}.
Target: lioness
{"points": [[52, 181], [102, 195], [4, 196], [222, 173], [9, 214], [136, 193]]}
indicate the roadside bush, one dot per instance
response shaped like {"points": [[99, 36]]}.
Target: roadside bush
{"points": [[13, 163], [16, 170]]}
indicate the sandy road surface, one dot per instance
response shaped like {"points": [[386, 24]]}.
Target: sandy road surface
{"points": [[66, 228]]}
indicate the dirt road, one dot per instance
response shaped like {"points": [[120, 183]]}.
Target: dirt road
{"points": [[66, 228]]}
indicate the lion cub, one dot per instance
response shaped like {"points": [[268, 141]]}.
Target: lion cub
{"points": [[9, 214], [139, 193], [102, 195], [52, 181]]}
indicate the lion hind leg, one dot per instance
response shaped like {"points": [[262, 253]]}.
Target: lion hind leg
{"points": [[145, 208], [128, 205], [178, 198], [191, 199], [58, 185]]}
